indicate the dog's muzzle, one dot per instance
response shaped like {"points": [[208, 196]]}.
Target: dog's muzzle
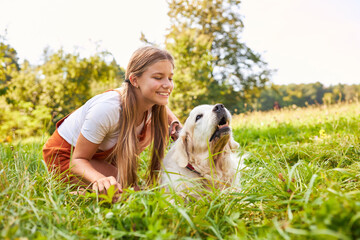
{"points": [[223, 122]]}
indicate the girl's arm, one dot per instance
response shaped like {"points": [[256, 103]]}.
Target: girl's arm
{"points": [[89, 170]]}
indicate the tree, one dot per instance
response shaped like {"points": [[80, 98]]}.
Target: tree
{"points": [[205, 36], [8, 64], [193, 71], [352, 92], [39, 95], [21, 114], [269, 96], [67, 80]]}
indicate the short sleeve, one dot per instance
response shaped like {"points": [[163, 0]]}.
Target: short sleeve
{"points": [[100, 120]]}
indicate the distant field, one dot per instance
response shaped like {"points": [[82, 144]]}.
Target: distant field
{"points": [[302, 182]]}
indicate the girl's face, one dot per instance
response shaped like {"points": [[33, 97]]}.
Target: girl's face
{"points": [[155, 84]]}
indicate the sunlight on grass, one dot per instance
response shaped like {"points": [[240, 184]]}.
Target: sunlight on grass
{"points": [[301, 182]]}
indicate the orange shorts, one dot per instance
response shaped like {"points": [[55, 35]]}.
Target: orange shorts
{"points": [[57, 154]]}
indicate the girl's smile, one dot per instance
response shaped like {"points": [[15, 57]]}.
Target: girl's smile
{"points": [[155, 84]]}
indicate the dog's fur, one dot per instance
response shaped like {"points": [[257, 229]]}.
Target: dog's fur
{"points": [[206, 129]]}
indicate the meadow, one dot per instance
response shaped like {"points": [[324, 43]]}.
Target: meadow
{"points": [[301, 182]]}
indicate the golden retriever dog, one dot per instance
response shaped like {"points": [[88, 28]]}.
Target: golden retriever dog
{"points": [[204, 152]]}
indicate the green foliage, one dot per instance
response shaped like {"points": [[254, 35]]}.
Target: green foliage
{"points": [[68, 81], [8, 64], [193, 71], [302, 95], [26, 120], [301, 182], [211, 61], [38, 96]]}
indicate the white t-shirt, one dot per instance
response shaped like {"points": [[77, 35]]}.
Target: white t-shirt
{"points": [[97, 120]]}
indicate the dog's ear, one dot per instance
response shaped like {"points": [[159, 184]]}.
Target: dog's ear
{"points": [[233, 144], [182, 149]]}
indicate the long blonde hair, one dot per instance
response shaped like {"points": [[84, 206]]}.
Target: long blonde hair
{"points": [[125, 151]]}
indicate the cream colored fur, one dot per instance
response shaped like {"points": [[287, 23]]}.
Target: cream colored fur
{"points": [[193, 147]]}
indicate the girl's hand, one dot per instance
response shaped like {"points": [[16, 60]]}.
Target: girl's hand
{"points": [[103, 184]]}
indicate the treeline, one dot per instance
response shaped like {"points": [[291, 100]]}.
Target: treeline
{"points": [[212, 65], [302, 95], [33, 98]]}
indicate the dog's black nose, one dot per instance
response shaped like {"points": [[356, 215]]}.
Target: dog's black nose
{"points": [[218, 107]]}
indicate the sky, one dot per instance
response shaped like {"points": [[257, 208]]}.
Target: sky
{"points": [[304, 41]]}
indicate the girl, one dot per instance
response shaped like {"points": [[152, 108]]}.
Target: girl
{"points": [[99, 143]]}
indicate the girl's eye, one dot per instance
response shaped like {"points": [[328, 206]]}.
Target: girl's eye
{"points": [[170, 79], [198, 117], [157, 78]]}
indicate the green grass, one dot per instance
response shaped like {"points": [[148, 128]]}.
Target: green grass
{"points": [[302, 182]]}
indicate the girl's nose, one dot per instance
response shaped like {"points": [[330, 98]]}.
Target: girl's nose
{"points": [[167, 83]]}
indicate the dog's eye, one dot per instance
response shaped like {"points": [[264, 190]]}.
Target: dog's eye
{"points": [[198, 117]]}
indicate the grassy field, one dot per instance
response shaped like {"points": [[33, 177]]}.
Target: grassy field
{"points": [[302, 182]]}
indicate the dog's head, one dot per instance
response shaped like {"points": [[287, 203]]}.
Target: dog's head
{"points": [[207, 126]]}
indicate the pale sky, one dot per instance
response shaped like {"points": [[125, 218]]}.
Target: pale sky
{"points": [[305, 40]]}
